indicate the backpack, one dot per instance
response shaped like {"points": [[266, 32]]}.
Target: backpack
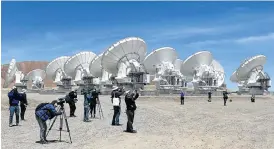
{"points": [[41, 105]]}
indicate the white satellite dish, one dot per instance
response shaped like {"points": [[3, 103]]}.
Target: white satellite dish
{"points": [[206, 73], [96, 69], [77, 66], [37, 77], [55, 69], [12, 73], [251, 77], [124, 56], [165, 65]]}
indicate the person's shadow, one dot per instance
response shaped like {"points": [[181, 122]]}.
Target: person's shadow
{"points": [[52, 141]]}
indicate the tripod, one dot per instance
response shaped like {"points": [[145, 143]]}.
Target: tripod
{"points": [[62, 116], [100, 108]]}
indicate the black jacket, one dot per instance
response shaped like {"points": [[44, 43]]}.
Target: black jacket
{"points": [[24, 100], [116, 94], [130, 101]]}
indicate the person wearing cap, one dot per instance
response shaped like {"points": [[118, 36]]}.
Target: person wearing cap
{"points": [[130, 98], [182, 98], [14, 99], [43, 112], [87, 99], [209, 96], [116, 93], [23, 104], [225, 96]]}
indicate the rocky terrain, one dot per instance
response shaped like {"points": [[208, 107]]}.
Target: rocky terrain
{"points": [[161, 122]]}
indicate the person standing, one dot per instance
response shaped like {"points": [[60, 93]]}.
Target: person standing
{"points": [[43, 112], [14, 99], [225, 96], [130, 109], [182, 98], [71, 99], [209, 96], [23, 104], [253, 98], [87, 100], [116, 101], [93, 103]]}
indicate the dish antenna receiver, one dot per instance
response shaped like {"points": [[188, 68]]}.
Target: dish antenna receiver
{"points": [[55, 71], [37, 77], [251, 77], [124, 61], [77, 67], [163, 63], [14, 73], [205, 72]]}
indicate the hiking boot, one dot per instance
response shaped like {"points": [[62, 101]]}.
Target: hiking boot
{"points": [[10, 125]]}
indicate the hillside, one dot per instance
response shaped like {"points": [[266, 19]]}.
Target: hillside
{"points": [[26, 67]]}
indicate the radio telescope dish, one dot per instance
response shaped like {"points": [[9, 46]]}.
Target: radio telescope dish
{"points": [[199, 59], [95, 67], [159, 57], [124, 56], [233, 77], [37, 76], [219, 72], [10, 75], [77, 66], [55, 69], [246, 67], [177, 64]]}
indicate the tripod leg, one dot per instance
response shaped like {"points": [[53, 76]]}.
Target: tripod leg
{"points": [[53, 122], [66, 121], [61, 125], [101, 110]]}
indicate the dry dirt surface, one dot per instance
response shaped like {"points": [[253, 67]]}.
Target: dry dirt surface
{"points": [[161, 123]]}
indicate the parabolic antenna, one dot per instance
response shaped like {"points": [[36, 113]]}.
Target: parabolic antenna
{"points": [[126, 53], [177, 64], [10, 73], [78, 65], [37, 76], [254, 63], [218, 71], [233, 77], [163, 57], [203, 58], [55, 69], [95, 67]]}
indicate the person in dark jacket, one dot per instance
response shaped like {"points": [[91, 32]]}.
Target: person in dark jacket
{"points": [[225, 96], [130, 98], [23, 104], [182, 98], [253, 98], [93, 103], [44, 112], [209, 96], [71, 99], [116, 93], [87, 99], [14, 99]]}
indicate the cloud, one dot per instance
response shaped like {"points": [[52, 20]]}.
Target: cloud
{"points": [[251, 39]]}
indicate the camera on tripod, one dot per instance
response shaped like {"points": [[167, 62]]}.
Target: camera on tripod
{"points": [[61, 101]]}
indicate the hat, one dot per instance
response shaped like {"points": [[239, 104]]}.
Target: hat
{"points": [[115, 88], [13, 87], [24, 90], [127, 91]]}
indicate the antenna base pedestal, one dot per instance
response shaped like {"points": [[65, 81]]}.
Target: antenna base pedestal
{"points": [[66, 84]]}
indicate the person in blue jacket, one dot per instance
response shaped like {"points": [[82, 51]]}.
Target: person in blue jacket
{"points": [[182, 98], [14, 98], [43, 112]]}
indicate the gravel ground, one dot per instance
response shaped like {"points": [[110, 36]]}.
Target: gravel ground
{"points": [[161, 123]]}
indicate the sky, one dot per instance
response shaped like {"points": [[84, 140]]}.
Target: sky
{"points": [[231, 31]]}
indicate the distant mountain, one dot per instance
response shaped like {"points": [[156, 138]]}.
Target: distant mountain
{"points": [[26, 67]]}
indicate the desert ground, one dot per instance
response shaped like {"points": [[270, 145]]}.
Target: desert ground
{"points": [[161, 122]]}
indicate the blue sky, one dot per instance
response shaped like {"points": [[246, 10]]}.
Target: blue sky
{"points": [[232, 31]]}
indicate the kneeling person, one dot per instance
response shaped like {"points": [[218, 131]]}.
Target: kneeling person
{"points": [[43, 112], [130, 98]]}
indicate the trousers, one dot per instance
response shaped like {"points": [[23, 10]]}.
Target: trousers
{"points": [[225, 99], [86, 112], [116, 115], [43, 128], [130, 118], [14, 109], [182, 100], [72, 108], [23, 110], [92, 108]]}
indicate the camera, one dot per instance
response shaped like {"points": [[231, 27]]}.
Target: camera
{"points": [[61, 101]]}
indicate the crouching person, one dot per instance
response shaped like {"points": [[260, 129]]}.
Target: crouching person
{"points": [[43, 112], [130, 98]]}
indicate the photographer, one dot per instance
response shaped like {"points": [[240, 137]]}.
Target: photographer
{"points": [[182, 98], [225, 96], [253, 98], [23, 104], [130, 98], [116, 101], [14, 98], [43, 112], [71, 99], [93, 102], [87, 99]]}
